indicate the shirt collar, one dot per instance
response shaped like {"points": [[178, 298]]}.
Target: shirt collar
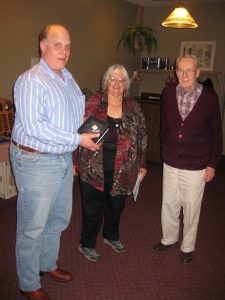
{"points": [[66, 74], [197, 89]]}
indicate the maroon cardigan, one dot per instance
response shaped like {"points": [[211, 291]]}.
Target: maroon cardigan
{"points": [[196, 142]]}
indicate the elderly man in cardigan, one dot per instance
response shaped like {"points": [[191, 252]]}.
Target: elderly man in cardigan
{"points": [[191, 134]]}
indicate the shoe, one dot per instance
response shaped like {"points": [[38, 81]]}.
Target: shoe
{"points": [[89, 253], [186, 258], [36, 295], [162, 247], [116, 245], [58, 275]]}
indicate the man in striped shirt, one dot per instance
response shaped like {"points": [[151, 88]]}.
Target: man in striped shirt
{"points": [[49, 110]]}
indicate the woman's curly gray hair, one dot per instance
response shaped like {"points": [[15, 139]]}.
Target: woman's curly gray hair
{"points": [[108, 74]]}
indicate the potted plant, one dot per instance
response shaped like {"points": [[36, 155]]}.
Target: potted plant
{"points": [[87, 92], [138, 38]]}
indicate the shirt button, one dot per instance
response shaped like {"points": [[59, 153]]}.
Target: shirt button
{"points": [[180, 136]]}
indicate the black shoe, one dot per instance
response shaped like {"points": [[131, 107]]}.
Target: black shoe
{"points": [[162, 247], [89, 253], [116, 245], [186, 258]]}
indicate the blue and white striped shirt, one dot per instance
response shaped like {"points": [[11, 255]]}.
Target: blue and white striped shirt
{"points": [[49, 110]]}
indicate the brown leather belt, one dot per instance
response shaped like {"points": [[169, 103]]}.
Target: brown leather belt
{"points": [[28, 149]]}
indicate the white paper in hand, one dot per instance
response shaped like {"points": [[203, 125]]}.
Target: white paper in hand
{"points": [[136, 187]]}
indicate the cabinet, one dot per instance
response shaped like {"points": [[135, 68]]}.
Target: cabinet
{"points": [[4, 152], [151, 111], [7, 183], [152, 81]]}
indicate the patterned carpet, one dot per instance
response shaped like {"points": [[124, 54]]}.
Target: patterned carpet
{"points": [[139, 273]]}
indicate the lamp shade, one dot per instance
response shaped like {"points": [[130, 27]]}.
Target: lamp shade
{"points": [[180, 18]]}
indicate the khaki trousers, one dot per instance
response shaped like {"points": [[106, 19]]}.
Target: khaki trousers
{"points": [[181, 189]]}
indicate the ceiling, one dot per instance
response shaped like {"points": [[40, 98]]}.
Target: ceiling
{"points": [[171, 2]]}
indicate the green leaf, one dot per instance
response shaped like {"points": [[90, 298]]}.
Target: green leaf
{"points": [[136, 38]]}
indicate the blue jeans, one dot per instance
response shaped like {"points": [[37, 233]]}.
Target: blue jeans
{"points": [[44, 206]]}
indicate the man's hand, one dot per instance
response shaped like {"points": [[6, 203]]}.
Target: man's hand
{"points": [[209, 174], [86, 141]]}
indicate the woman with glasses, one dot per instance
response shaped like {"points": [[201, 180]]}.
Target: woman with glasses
{"points": [[109, 175]]}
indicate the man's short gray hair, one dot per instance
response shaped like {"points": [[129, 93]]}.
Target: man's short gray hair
{"points": [[193, 57]]}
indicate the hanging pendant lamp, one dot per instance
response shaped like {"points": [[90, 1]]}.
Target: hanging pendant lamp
{"points": [[180, 18]]}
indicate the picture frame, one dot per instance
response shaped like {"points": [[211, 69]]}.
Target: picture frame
{"points": [[203, 50]]}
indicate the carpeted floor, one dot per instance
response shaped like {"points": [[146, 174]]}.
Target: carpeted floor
{"points": [[139, 273]]}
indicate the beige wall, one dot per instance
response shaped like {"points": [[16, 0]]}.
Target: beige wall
{"points": [[96, 26]]}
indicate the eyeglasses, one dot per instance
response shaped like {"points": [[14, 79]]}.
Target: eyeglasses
{"points": [[117, 79], [186, 72]]}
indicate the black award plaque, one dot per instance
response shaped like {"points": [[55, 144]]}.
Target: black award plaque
{"points": [[94, 125]]}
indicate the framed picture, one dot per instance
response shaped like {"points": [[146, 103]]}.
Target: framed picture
{"points": [[204, 51]]}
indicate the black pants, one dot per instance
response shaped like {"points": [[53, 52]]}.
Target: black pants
{"points": [[98, 206]]}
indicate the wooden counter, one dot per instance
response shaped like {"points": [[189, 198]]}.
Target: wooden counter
{"points": [[4, 152], [151, 110]]}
